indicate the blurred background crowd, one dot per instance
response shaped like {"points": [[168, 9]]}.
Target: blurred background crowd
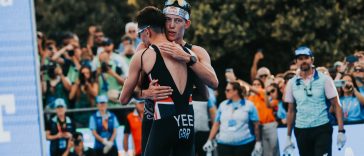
{"points": [[85, 50]]}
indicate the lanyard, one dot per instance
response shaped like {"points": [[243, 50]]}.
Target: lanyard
{"points": [[105, 123], [346, 107], [61, 125]]}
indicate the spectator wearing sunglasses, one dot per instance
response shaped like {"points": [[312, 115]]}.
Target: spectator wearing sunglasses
{"points": [[232, 127], [275, 102], [306, 94], [352, 102], [131, 30], [266, 116], [95, 39], [358, 74]]}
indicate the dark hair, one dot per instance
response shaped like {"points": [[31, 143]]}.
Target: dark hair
{"points": [[354, 84], [77, 134], [81, 76], [152, 17], [239, 88], [126, 38], [260, 81], [276, 87], [287, 76]]}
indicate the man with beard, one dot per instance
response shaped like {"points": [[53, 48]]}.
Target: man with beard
{"points": [[307, 94]]}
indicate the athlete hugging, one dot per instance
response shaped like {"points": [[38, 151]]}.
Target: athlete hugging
{"points": [[172, 68]]}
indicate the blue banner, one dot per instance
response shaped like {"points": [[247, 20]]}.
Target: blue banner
{"points": [[21, 123]]}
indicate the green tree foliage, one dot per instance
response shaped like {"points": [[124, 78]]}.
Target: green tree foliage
{"points": [[54, 16], [231, 30]]}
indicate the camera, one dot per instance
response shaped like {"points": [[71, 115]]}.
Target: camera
{"points": [[71, 52], [105, 67], [349, 86], [82, 79], [50, 48], [339, 83], [50, 69], [77, 141]]}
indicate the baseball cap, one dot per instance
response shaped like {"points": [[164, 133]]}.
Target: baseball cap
{"points": [[338, 63], [303, 50], [59, 102], [263, 71], [106, 41], [101, 99]]}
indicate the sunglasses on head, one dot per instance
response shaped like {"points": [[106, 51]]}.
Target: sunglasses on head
{"points": [[181, 3], [141, 30]]}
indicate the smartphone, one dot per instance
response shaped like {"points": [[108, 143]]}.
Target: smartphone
{"points": [[351, 59], [339, 83]]}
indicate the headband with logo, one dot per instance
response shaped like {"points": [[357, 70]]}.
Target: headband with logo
{"points": [[172, 10]]}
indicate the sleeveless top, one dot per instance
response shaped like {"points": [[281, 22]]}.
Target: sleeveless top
{"points": [[180, 102]]}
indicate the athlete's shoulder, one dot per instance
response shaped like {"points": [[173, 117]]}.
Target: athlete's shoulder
{"points": [[197, 48]]}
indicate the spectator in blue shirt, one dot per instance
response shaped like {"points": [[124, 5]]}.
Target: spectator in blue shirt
{"points": [[352, 102], [234, 120], [103, 125]]}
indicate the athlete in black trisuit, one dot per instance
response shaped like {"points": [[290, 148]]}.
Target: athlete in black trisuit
{"points": [[173, 117], [177, 21]]}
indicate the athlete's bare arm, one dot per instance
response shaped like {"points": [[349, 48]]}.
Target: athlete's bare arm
{"points": [[202, 68], [134, 73]]}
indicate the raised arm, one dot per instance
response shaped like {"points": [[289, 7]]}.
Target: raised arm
{"points": [[253, 70]]}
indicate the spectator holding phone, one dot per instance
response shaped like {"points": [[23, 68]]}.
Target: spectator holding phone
{"points": [[352, 102]]}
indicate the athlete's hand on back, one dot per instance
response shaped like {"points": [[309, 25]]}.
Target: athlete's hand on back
{"points": [[157, 92], [175, 50]]}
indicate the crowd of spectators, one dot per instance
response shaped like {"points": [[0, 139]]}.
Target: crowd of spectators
{"points": [[75, 76]]}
